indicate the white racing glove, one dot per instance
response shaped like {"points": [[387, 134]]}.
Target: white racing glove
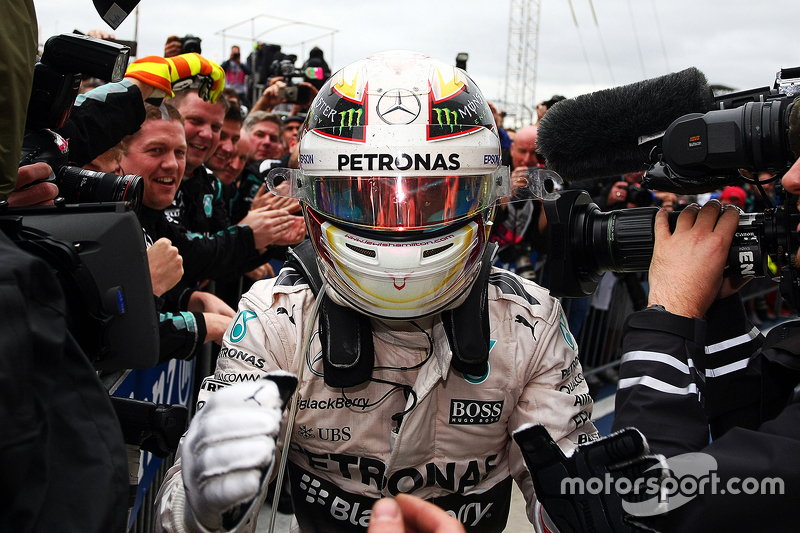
{"points": [[229, 450]]}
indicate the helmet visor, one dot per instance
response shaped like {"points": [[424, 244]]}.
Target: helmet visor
{"points": [[394, 202]]}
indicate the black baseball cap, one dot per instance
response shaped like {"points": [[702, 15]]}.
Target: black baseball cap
{"points": [[294, 118], [554, 100]]}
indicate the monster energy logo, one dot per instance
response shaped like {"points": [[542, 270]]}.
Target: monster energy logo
{"points": [[447, 114], [347, 117]]}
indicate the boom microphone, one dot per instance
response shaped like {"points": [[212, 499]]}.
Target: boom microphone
{"points": [[611, 132]]}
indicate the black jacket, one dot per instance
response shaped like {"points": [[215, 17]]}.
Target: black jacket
{"points": [[682, 379], [62, 453]]}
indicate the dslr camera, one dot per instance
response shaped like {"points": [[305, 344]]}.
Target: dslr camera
{"points": [[190, 44], [56, 81], [755, 130]]}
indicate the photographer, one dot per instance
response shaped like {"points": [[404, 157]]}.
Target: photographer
{"points": [[237, 74], [625, 193], [274, 96], [692, 363], [755, 433]]}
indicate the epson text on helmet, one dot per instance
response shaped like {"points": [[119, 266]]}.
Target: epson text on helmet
{"points": [[379, 162]]}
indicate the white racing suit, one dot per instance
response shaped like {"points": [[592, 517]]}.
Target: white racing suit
{"points": [[454, 445]]}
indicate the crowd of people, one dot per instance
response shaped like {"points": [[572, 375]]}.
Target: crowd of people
{"points": [[362, 305]]}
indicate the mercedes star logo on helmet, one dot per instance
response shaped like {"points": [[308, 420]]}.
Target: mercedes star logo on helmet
{"points": [[398, 107]]}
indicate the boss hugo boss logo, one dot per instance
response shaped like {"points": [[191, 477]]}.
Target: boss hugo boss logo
{"points": [[475, 412], [401, 162]]}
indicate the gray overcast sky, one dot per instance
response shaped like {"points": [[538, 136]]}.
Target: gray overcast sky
{"points": [[739, 43]]}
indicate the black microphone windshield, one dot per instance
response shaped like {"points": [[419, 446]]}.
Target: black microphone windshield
{"points": [[597, 135]]}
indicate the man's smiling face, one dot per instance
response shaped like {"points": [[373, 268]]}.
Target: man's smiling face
{"points": [[204, 123], [157, 152], [228, 141]]}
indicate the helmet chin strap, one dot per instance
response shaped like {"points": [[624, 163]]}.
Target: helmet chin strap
{"points": [[349, 355]]}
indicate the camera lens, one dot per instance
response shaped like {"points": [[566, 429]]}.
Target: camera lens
{"points": [[584, 242], [620, 241], [78, 185], [754, 136]]}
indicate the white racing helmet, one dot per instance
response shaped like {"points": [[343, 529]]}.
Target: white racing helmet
{"points": [[399, 174]]}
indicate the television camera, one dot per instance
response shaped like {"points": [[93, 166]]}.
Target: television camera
{"points": [[755, 130]]}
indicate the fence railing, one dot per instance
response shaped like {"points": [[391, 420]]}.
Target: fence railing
{"points": [[599, 335]]}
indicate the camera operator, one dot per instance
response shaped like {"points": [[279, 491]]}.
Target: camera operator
{"points": [[694, 364], [62, 452], [744, 390], [237, 74]]}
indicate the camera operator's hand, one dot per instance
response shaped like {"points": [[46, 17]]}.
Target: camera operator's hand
{"points": [[166, 265], [42, 193], [216, 326], [205, 302], [686, 270], [173, 46], [229, 450], [268, 225], [270, 97], [410, 514]]}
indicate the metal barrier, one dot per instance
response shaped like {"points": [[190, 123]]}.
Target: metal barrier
{"points": [[145, 518], [599, 336]]}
